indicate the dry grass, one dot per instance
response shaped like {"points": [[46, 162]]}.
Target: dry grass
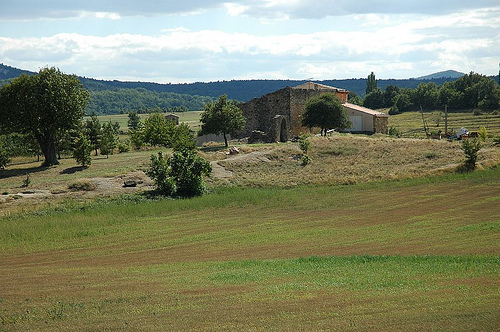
{"points": [[339, 159], [306, 258], [410, 123], [349, 159]]}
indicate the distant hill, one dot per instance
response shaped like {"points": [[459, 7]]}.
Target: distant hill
{"points": [[111, 97], [7, 72], [442, 74]]}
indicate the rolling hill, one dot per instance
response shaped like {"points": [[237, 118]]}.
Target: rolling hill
{"points": [[112, 97], [442, 74]]}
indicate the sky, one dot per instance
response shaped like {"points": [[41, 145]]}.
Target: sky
{"points": [[183, 41]]}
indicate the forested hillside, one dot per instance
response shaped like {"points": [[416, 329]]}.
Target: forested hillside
{"points": [[113, 97], [143, 101]]}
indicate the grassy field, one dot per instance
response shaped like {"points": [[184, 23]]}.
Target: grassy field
{"points": [[412, 255], [375, 234], [341, 159], [411, 125], [191, 118]]}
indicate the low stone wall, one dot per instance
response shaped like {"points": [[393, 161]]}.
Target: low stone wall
{"points": [[381, 125]]}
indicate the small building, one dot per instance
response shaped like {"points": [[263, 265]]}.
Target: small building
{"points": [[278, 115], [365, 120], [172, 117]]}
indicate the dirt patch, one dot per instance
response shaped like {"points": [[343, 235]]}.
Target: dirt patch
{"points": [[16, 199]]}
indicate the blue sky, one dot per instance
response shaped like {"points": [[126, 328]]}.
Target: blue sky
{"points": [[210, 40]]}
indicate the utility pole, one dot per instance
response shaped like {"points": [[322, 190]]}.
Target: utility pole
{"points": [[446, 120]]}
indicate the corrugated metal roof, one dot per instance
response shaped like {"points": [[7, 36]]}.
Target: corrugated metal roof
{"points": [[317, 86], [364, 110]]}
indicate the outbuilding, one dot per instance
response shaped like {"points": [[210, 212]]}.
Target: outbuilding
{"points": [[365, 120]]}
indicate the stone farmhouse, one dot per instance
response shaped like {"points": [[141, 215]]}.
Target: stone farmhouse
{"points": [[277, 116]]}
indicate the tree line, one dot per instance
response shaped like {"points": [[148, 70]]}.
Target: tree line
{"points": [[471, 91]]}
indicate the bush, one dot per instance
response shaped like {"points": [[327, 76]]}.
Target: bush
{"points": [[394, 132], [304, 143], [181, 175], [137, 139], [82, 185], [394, 111], [471, 149], [4, 158], [482, 133], [124, 146], [82, 150], [306, 160]]}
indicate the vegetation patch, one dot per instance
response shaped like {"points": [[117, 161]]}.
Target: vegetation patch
{"points": [[82, 185]]}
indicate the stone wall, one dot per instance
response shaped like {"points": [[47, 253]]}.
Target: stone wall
{"points": [[381, 124], [262, 113], [298, 100]]}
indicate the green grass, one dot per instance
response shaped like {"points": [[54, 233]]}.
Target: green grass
{"points": [[410, 123], [191, 118], [420, 254], [404, 246], [310, 293]]}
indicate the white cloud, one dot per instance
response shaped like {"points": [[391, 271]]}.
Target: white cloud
{"points": [[368, 37], [261, 9], [101, 15]]}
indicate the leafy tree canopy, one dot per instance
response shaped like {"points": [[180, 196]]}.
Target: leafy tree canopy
{"points": [[325, 111], [45, 105], [222, 117]]}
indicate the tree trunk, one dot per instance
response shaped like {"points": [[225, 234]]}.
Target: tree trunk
{"points": [[225, 140], [49, 152]]}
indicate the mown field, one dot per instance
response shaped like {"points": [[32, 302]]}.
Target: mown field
{"points": [[377, 233], [411, 123], [413, 255]]}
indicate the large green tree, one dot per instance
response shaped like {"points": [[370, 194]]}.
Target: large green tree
{"points": [[45, 105], [325, 111], [222, 117]]}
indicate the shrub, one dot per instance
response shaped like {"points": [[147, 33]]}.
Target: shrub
{"points": [[482, 133], [4, 157], [394, 111], [124, 146], [304, 143], [137, 139], [496, 140], [181, 175], [431, 155], [27, 181], [82, 185], [306, 160], [82, 150], [471, 149], [394, 132]]}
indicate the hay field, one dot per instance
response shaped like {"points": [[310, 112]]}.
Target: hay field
{"points": [[416, 255]]}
